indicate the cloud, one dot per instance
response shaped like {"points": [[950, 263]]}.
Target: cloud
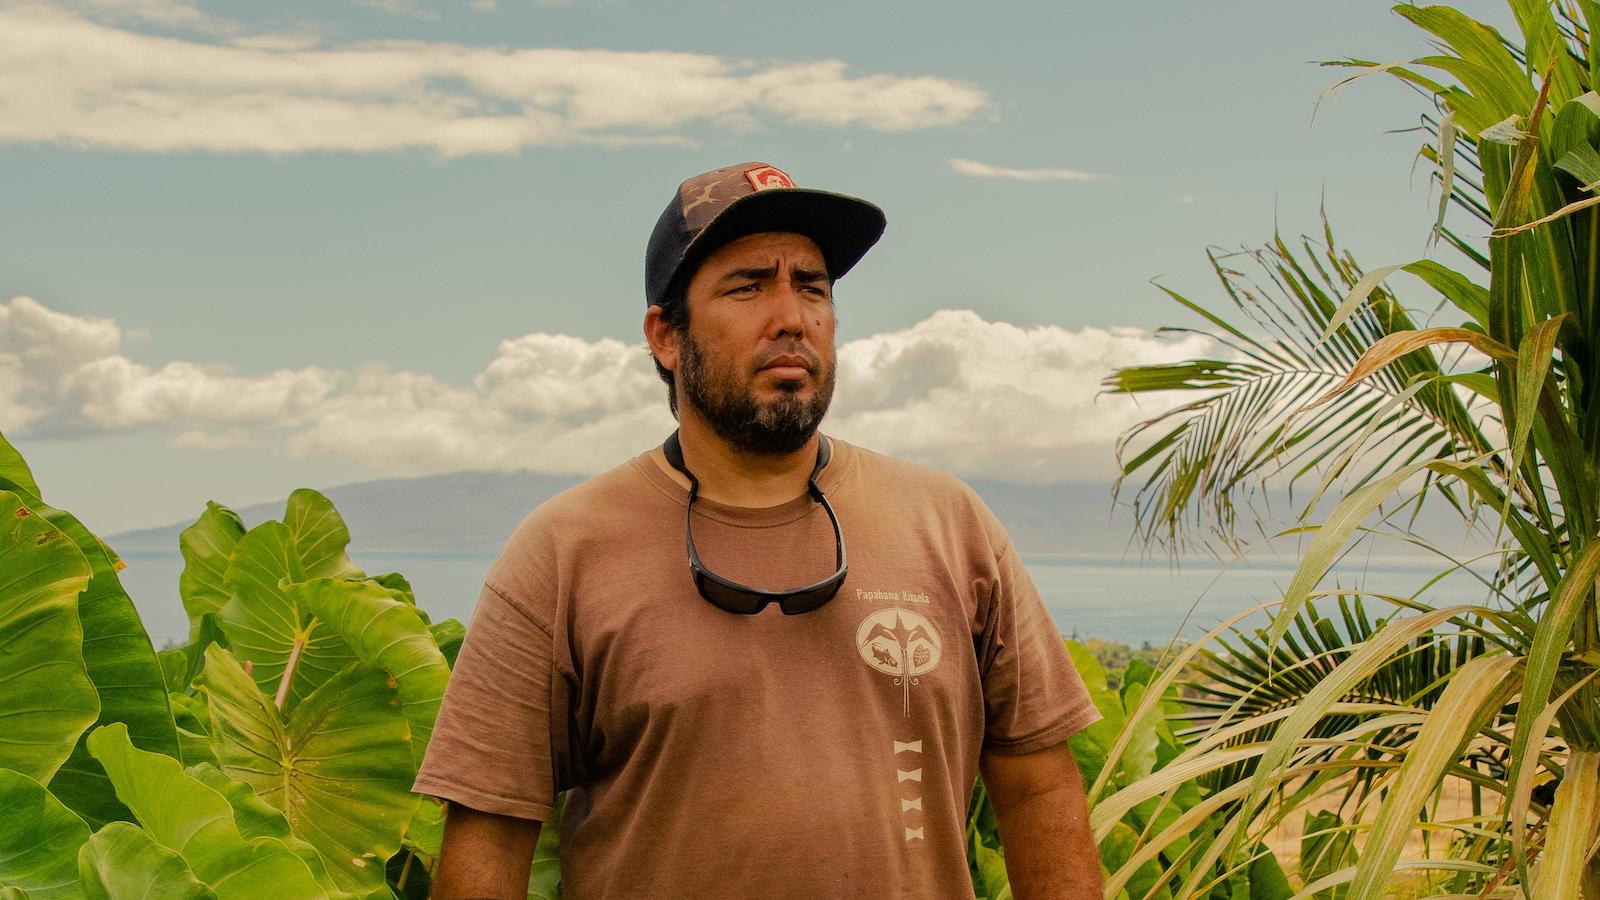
{"points": [[406, 9], [67, 80], [994, 400], [169, 13], [982, 399], [984, 170]]}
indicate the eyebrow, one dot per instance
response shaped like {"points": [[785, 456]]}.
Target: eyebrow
{"points": [[759, 274]]}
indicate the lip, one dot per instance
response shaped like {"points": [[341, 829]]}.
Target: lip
{"points": [[790, 365]]}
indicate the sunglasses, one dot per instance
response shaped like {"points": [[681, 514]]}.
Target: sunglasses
{"points": [[743, 599]]}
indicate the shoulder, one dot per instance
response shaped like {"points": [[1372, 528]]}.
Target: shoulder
{"points": [[909, 485], [579, 515]]}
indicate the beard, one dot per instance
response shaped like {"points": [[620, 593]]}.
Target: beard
{"points": [[772, 428]]}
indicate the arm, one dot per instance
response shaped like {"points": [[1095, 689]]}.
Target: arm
{"points": [[1044, 824], [484, 855]]}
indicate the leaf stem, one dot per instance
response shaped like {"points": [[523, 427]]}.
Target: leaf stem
{"points": [[281, 699], [405, 870]]}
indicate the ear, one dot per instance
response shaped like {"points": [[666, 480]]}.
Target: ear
{"points": [[662, 338]]}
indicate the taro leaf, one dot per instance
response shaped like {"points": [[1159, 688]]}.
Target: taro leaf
{"points": [[1091, 746], [122, 862], [180, 665], [39, 839], [320, 535], [194, 728], [400, 587], [185, 816], [544, 877], [425, 831], [1138, 757], [989, 862], [207, 545], [122, 664], [264, 625], [408, 876], [1326, 847], [256, 818], [338, 767], [174, 668], [14, 468], [46, 697], [448, 635], [1267, 878], [386, 633]]}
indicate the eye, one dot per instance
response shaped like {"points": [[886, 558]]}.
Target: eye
{"points": [[750, 288]]}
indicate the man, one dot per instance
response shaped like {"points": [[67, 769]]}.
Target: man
{"points": [[711, 747]]}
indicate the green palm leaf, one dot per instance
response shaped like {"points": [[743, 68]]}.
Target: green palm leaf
{"points": [[1205, 461]]}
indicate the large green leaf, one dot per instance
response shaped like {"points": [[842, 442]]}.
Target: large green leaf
{"points": [[46, 697], [387, 633], [207, 546], [39, 839], [320, 535], [15, 469], [185, 816], [255, 818], [338, 767], [181, 664], [122, 862], [194, 728], [267, 628], [448, 635], [122, 663]]}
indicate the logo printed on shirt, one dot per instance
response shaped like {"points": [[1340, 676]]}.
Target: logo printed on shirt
{"points": [[900, 643]]}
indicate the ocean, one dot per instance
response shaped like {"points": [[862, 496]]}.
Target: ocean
{"points": [[1130, 601]]}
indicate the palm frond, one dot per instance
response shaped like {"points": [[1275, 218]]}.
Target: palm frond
{"points": [[1206, 461]]}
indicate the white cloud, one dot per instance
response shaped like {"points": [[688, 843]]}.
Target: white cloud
{"points": [[170, 13], [994, 400], [67, 80], [984, 170], [39, 349], [982, 399], [407, 9]]}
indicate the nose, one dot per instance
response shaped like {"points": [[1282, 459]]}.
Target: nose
{"points": [[788, 310]]}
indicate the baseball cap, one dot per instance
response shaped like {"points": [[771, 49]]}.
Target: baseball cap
{"points": [[725, 204]]}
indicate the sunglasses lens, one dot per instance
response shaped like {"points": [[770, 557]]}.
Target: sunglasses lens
{"points": [[810, 600], [724, 597]]}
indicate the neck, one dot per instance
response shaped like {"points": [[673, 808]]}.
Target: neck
{"points": [[734, 477]]}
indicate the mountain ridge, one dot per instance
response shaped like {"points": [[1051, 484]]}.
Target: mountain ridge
{"points": [[475, 511]]}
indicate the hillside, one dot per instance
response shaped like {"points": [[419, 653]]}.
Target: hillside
{"points": [[475, 511]]}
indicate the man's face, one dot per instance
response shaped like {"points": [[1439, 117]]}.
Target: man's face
{"points": [[757, 360]]}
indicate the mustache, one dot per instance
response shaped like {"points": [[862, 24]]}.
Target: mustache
{"points": [[813, 362]]}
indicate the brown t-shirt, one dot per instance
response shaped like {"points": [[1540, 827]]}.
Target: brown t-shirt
{"points": [[714, 755]]}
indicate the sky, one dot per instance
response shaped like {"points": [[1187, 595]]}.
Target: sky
{"points": [[246, 248]]}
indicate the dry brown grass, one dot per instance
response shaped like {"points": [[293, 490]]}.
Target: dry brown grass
{"points": [[1453, 804]]}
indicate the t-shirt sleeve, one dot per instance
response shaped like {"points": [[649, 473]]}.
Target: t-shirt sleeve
{"points": [[490, 748], [1033, 696]]}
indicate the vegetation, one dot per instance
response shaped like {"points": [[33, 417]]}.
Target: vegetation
{"points": [[1358, 728], [1357, 745], [270, 756]]}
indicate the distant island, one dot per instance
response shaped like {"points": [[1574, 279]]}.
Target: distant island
{"points": [[475, 512]]}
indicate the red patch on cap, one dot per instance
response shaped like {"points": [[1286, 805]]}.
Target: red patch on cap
{"points": [[763, 177]]}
